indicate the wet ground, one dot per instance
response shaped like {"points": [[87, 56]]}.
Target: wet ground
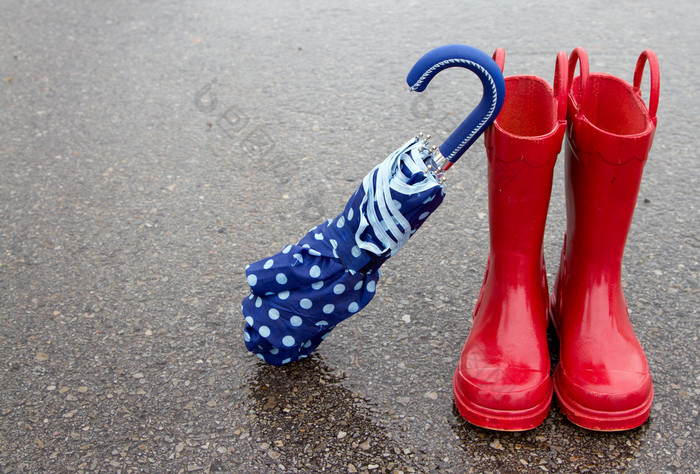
{"points": [[150, 150]]}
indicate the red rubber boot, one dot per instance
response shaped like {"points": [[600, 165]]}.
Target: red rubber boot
{"points": [[503, 379], [602, 381]]}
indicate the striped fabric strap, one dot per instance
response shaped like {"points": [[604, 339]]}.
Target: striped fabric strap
{"points": [[378, 211]]}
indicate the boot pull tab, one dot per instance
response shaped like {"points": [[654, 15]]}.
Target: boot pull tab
{"points": [[499, 56], [460, 55], [648, 56], [578, 55], [561, 84]]}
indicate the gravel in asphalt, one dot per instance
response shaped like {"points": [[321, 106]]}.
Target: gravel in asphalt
{"points": [[150, 150]]}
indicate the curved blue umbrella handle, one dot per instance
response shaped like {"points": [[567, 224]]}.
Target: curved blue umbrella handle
{"points": [[460, 55]]}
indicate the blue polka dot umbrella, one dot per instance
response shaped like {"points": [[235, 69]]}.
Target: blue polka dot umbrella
{"points": [[300, 294]]}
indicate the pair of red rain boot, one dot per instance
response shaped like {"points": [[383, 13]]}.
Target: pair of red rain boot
{"points": [[602, 381]]}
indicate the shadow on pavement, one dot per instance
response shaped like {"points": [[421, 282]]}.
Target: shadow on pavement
{"points": [[304, 418]]}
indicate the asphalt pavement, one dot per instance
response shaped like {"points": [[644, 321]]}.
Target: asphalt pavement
{"points": [[150, 150]]}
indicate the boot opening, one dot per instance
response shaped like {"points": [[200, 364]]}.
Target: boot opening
{"points": [[612, 106], [529, 109]]}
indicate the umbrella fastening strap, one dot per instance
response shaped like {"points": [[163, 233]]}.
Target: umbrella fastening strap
{"points": [[380, 210]]}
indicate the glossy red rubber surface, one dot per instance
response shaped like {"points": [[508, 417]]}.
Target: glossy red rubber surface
{"points": [[603, 380], [503, 379]]}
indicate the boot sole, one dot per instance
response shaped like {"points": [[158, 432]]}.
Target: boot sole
{"points": [[596, 420], [500, 420]]}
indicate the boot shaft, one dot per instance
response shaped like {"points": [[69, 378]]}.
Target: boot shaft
{"points": [[609, 135], [522, 148], [600, 203]]}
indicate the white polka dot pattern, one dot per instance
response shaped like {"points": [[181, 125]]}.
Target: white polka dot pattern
{"points": [[300, 294]]}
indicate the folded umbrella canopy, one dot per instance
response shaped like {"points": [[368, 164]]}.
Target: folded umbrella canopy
{"points": [[298, 295]]}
